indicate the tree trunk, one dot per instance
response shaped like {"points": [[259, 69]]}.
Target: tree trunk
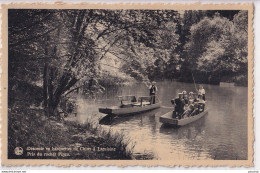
{"points": [[52, 98], [45, 84], [51, 108]]}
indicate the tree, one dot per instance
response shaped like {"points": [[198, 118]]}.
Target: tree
{"points": [[66, 46], [151, 37], [219, 46], [58, 38]]}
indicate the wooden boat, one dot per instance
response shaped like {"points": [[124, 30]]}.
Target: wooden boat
{"points": [[168, 118], [142, 104]]}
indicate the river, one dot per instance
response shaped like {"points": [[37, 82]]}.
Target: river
{"points": [[221, 134]]}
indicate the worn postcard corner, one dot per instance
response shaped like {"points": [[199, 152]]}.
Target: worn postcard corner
{"points": [[127, 84]]}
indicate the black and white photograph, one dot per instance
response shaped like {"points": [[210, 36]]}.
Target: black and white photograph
{"points": [[129, 84]]}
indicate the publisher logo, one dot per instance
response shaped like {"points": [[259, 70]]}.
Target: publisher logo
{"points": [[18, 151]]}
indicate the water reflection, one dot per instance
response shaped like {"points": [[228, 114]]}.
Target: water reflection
{"points": [[189, 131], [112, 119]]}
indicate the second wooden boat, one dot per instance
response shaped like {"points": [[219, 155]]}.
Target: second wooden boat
{"points": [[168, 118]]}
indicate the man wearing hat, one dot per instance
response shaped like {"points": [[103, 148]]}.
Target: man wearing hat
{"points": [[179, 106], [153, 90], [185, 97]]}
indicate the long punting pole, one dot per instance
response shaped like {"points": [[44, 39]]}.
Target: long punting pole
{"points": [[194, 81]]}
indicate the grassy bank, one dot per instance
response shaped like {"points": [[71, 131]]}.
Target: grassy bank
{"points": [[28, 127]]}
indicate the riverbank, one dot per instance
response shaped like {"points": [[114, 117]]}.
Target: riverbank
{"points": [[29, 128]]}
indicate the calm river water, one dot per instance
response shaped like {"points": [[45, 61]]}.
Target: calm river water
{"points": [[221, 134]]}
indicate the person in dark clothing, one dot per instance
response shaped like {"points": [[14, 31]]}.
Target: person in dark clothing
{"points": [[153, 90], [179, 106], [186, 99], [201, 105]]}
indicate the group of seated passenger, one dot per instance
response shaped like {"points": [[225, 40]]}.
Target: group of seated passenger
{"points": [[187, 105]]}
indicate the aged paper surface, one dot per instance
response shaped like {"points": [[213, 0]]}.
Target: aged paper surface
{"points": [[65, 66]]}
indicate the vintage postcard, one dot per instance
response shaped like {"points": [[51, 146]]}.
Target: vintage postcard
{"points": [[127, 84]]}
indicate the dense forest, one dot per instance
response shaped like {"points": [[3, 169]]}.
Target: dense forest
{"points": [[52, 53]]}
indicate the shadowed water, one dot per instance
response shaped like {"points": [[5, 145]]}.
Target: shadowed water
{"points": [[221, 134]]}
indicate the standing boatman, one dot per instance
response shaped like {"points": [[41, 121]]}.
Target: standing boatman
{"points": [[153, 90], [202, 92]]}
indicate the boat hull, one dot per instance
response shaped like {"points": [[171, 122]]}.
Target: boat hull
{"points": [[129, 110], [167, 119]]}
